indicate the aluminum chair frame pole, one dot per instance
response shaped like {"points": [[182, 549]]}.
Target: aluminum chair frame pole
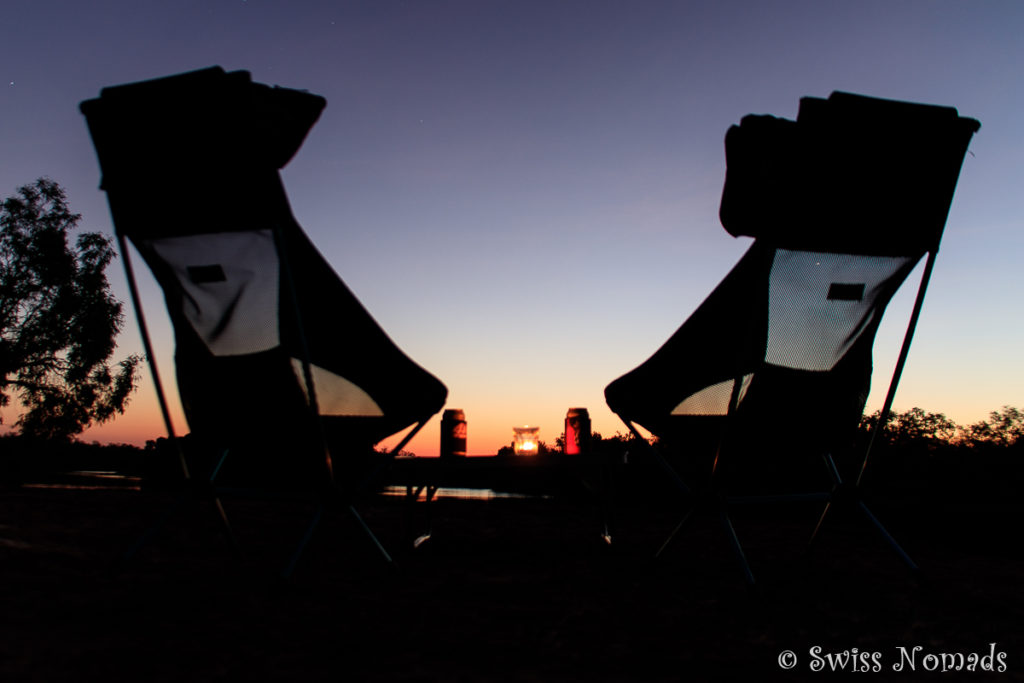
{"points": [[900, 362], [166, 413], [147, 346]]}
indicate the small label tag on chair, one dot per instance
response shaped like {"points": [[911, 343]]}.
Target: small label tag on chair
{"points": [[201, 275], [842, 291]]}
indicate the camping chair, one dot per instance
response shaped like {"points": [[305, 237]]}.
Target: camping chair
{"points": [[775, 365], [279, 367]]}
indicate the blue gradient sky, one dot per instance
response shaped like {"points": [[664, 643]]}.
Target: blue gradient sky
{"points": [[525, 194]]}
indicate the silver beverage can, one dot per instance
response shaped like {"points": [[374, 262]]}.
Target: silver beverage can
{"points": [[453, 434]]}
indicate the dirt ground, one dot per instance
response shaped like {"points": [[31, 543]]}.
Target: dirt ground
{"points": [[506, 590]]}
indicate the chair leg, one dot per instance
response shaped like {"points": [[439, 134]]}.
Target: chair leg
{"points": [[373, 537], [225, 524], [226, 527], [325, 506], [843, 494], [293, 560], [734, 541], [431, 492], [887, 537], [837, 487], [606, 534], [683, 523], [605, 502], [416, 533], [817, 527], [730, 534], [190, 491], [723, 512]]}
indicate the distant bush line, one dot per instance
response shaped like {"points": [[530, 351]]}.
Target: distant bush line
{"points": [[915, 436], [919, 429]]}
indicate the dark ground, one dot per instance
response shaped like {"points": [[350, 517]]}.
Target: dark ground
{"points": [[508, 590]]}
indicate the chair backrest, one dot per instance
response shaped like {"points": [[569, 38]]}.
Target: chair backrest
{"points": [[264, 328], [842, 203]]}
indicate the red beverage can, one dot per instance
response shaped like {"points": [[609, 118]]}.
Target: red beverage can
{"points": [[577, 431]]}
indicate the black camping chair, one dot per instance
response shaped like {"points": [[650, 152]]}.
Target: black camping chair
{"points": [[279, 367], [776, 362]]}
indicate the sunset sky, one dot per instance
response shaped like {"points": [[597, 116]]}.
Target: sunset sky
{"points": [[525, 194]]}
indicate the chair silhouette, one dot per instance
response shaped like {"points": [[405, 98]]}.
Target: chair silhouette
{"points": [[774, 367], [279, 368]]}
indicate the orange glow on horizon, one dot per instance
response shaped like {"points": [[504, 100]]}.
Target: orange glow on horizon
{"points": [[487, 429]]}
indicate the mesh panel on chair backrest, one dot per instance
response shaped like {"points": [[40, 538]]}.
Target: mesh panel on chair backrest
{"points": [[713, 400], [819, 304]]}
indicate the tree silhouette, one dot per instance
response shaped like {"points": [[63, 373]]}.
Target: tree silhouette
{"points": [[921, 429], [1003, 428], [915, 429], [58, 319]]}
